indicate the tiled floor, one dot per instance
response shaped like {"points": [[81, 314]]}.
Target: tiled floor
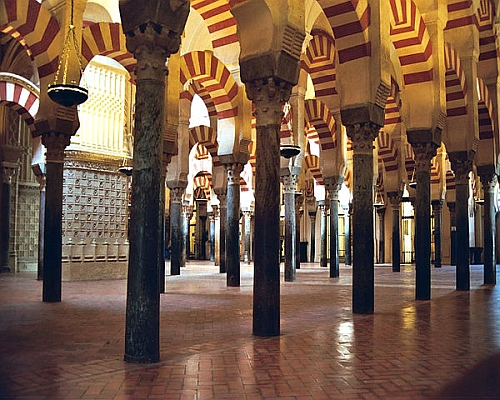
{"points": [[407, 350]]}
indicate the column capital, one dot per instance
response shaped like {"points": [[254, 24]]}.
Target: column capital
{"points": [[299, 200], [451, 206], [424, 152], [268, 95], [289, 183], [362, 136], [332, 185], [461, 163], [233, 171], [488, 176], [8, 170], [55, 144], [323, 207], [437, 206], [176, 194], [395, 198]]}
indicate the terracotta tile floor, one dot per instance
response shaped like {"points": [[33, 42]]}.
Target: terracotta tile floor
{"points": [[407, 350]]}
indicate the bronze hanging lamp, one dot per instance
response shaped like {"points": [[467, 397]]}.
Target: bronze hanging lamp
{"points": [[68, 94]]}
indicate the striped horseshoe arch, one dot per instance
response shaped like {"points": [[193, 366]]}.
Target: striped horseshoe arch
{"points": [[319, 115], [20, 95], [205, 69], [107, 39], [350, 21], [36, 29], [412, 42]]}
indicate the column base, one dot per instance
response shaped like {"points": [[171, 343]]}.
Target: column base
{"points": [[5, 268], [140, 360]]}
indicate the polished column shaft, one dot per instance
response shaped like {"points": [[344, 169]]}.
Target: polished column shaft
{"points": [[233, 225]]}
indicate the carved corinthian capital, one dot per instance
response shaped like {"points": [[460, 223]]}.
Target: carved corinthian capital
{"points": [[362, 136], [268, 95]]}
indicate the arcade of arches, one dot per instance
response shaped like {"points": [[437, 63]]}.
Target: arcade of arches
{"points": [[392, 106]]}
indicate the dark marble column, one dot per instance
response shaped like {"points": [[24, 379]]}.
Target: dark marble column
{"points": [[453, 232], [381, 238], [55, 144], [461, 164], [333, 185], [312, 217], [211, 217], [290, 188], [299, 200], [222, 196], [323, 208], [187, 214], [176, 248], [201, 229], [348, 244], [362, 136], [269, 95], [423, 151], [7, 171], [395, 200], [437, 207], [39, 170], [233, 224], [151, 38], [246, 236], [489, 180], [142, 325]]}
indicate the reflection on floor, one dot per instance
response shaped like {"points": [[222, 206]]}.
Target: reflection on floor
{"points": [[408, 349]]}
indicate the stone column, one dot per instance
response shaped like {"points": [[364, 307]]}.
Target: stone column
{"points": [[347, 227], [39, 170], [201, 230], [289, 188], [299, 200], [489, 180], [52, 253], [323, 208], [233, 224], [187, 214], [269, 95], [423, 150], [395, 200], [437, 207], [246, 236], [7, 171], [381, 238], [333, 185], [211, 216], [362, 136], [150, 48], [462, 165], [176, 248], [222, 196], [312, 217], [453, 232]]}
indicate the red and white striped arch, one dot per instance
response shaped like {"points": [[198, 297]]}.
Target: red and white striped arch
{"points": [[220, 22], [456, 88], [392, 113], [318, 114], [36, 29], [409, 161], [207, 137], [412, 42], [312, 164], [107, 39], [199, 90], [387, 151], [450, 180], [350, 20], [205, 69], [460, 13], [485, 112], [348, 176], [21, 96], [435, 172], [486, 21], [319, 63], [203, 180]]}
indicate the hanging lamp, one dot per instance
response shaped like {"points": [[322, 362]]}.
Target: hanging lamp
{"points": [[68, 94], [413, 181]]}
